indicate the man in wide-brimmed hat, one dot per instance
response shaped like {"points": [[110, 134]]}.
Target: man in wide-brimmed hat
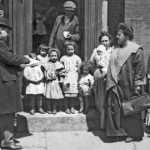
{"points": [[66, 27], [9, 93]]}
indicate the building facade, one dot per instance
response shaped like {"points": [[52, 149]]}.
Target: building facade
{"points": [[94, 16]]}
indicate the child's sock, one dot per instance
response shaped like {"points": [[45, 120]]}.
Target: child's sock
{"points": [[86, 105], [72, 105], [81, 104], [39, 104], [54, 104], [49, 109]]}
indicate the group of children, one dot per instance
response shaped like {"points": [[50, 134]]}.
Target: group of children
{"points": [[55, 80], [66, 79]]}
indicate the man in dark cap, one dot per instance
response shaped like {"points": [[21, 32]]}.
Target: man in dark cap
{"points": [[66, 27], [9, 93], [125, 78]]}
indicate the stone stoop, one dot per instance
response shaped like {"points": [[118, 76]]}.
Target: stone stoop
{"points": [[59, 122]]}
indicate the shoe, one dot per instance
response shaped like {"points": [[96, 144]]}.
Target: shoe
{"points": [[130, 139], [138, 139], [10, 145], [67, 111], [72, 111], [16, 141], [41, 110], [81, 110], [32, 112], [54, 111], [14, 147], [49, 112]]}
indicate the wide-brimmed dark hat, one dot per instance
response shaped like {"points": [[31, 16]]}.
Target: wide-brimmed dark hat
{"points": [[5, 23]]}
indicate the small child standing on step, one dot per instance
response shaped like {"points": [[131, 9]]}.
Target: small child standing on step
{"points": [[53, 74], [86, 81], [35, 85], [72, 65]]}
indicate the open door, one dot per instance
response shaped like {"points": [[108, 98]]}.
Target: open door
{"points": [[44, 15], [20, 16], [92, 25], [20, 38]]}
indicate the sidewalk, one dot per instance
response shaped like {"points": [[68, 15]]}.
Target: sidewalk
{"points": [[69, 132], [76, 140]]}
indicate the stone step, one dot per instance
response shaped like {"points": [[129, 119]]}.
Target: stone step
{"points": [[59, 122]]}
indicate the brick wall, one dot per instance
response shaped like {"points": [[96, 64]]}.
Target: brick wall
{"points": [[137, 14]]}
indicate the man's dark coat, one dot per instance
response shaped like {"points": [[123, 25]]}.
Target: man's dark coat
{"points": [[9, 73]]}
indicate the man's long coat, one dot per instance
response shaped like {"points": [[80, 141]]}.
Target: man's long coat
{"points": [[9, 91], [57, 39], [126, 71]]}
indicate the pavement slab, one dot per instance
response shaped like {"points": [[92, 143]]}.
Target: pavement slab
{"points": [[33, 141], [76, 140]]}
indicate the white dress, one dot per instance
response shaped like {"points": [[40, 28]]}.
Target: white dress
{"points": [[43, 59], [52, 87], [71, 64], [85, 82], [34, 75]]}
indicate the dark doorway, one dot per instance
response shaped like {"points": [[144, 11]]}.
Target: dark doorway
{"points": [[45, 13]]}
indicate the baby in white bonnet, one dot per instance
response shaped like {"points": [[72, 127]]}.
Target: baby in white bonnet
{"points": [[102, 59]]}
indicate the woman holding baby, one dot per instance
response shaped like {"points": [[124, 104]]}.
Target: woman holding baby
{"points": [[100, 60], [66, 27]]}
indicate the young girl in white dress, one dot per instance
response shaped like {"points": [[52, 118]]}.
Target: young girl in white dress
{"points": [[43, 53], [53, 74], [72, 65], [35, 85], [86, 81]]}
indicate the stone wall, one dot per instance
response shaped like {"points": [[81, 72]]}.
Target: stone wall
{"points": [[137, 14]]}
